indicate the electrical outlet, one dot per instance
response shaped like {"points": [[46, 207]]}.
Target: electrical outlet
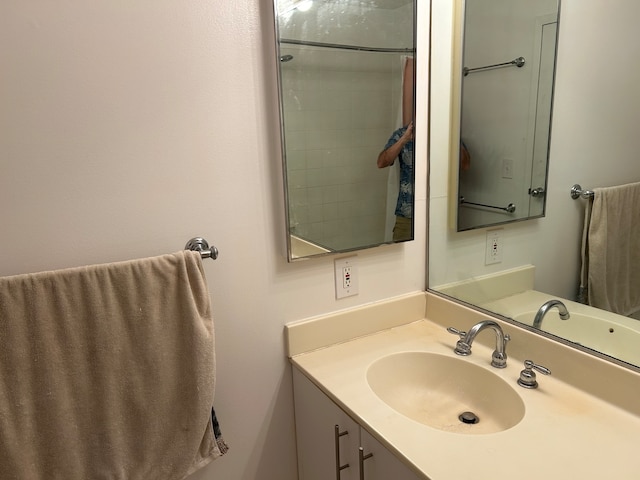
{"points": [[507, 168], [346, 277], [346, 272], [494, 247]]}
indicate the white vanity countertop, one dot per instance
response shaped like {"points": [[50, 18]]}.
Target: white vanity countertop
{"points": [[565, 432]]}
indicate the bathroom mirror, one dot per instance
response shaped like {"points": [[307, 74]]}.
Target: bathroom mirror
{"points": [[506, 83], [593, 143], [346, 77]]}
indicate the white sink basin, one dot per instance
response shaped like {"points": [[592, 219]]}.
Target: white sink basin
{"points": [[435, 390]]}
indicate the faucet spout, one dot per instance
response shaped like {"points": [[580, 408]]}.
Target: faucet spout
{"points": [[542, 311], [499, 357]]}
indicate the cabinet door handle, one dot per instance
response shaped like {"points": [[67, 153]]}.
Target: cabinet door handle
{"points": [[337, 435], [361, 458]]}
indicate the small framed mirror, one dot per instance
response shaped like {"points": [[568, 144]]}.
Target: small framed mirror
{"points": [[505, 80], [347, 83]]}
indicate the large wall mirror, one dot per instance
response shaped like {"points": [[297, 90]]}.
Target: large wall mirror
{"points": [[347, 85], [596, 113], [506, 82]]}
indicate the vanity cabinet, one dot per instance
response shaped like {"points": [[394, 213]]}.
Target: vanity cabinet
{"points": [[330, 443]]}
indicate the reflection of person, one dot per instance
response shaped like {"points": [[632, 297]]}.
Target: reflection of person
{"points": [[400, 145], [465, 157]]}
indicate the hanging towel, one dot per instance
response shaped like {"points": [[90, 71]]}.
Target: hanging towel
{"points": [[107, 372], [611, 250]]}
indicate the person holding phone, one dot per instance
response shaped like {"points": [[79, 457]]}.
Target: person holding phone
{"points": [[400, 146]]}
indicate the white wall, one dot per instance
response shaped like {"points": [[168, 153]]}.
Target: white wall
{"points": [[127, 128], [595, 118]]}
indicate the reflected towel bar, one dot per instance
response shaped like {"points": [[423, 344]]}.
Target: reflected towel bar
{"points": [[509, 208], [346, 47], [199, 244], [516, 62], [578, 192]]}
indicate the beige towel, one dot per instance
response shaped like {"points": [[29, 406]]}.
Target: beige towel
{"points": [[107, 372], [611, 257]]}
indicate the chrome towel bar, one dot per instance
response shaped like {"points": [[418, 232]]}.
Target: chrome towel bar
{"points": [[578, 192], [199, 244], [516, 62], [340, 46], [509, 208]]}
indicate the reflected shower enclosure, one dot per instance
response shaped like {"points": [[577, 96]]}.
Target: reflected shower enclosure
{"points": [[342, 65], [509, 49]]}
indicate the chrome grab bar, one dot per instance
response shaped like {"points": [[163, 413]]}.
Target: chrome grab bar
{"points": [[509, 208], [516, 62], [341, 46]]}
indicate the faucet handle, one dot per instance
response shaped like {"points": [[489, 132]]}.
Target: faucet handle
{"points": [[528, 376], [455, 331], [462, 347]]}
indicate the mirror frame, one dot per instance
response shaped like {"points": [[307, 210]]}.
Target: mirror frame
{"points": [[288, 236]]}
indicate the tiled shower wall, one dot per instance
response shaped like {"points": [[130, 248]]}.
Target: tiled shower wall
{"points": [[340, 109]]}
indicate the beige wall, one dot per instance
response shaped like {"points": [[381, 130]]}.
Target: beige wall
{"points": [[126, 128]]}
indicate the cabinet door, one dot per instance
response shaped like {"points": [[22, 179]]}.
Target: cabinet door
{"points": [[383, 465], [316, 417]]}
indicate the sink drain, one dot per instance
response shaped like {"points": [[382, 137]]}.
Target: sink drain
{"points": [[469, 418]]}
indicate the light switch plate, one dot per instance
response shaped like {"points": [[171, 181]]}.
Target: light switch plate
{"points": [[494, 247]]}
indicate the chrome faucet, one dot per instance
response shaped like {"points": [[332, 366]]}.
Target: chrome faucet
{"points": [[463, 346], [542, 311]]}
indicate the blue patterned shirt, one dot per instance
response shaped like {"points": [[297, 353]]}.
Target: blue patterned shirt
{"points": [[404, 206]]}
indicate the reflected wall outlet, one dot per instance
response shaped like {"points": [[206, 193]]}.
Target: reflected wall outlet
{"points": [[346, 271], [507, 168], [493, 252]]}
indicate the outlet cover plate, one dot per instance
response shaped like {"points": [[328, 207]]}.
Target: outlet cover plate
{"points": [[346, 275]]}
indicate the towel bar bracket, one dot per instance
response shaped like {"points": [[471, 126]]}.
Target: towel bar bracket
{"points": [[199, 244], [578, 192]]}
